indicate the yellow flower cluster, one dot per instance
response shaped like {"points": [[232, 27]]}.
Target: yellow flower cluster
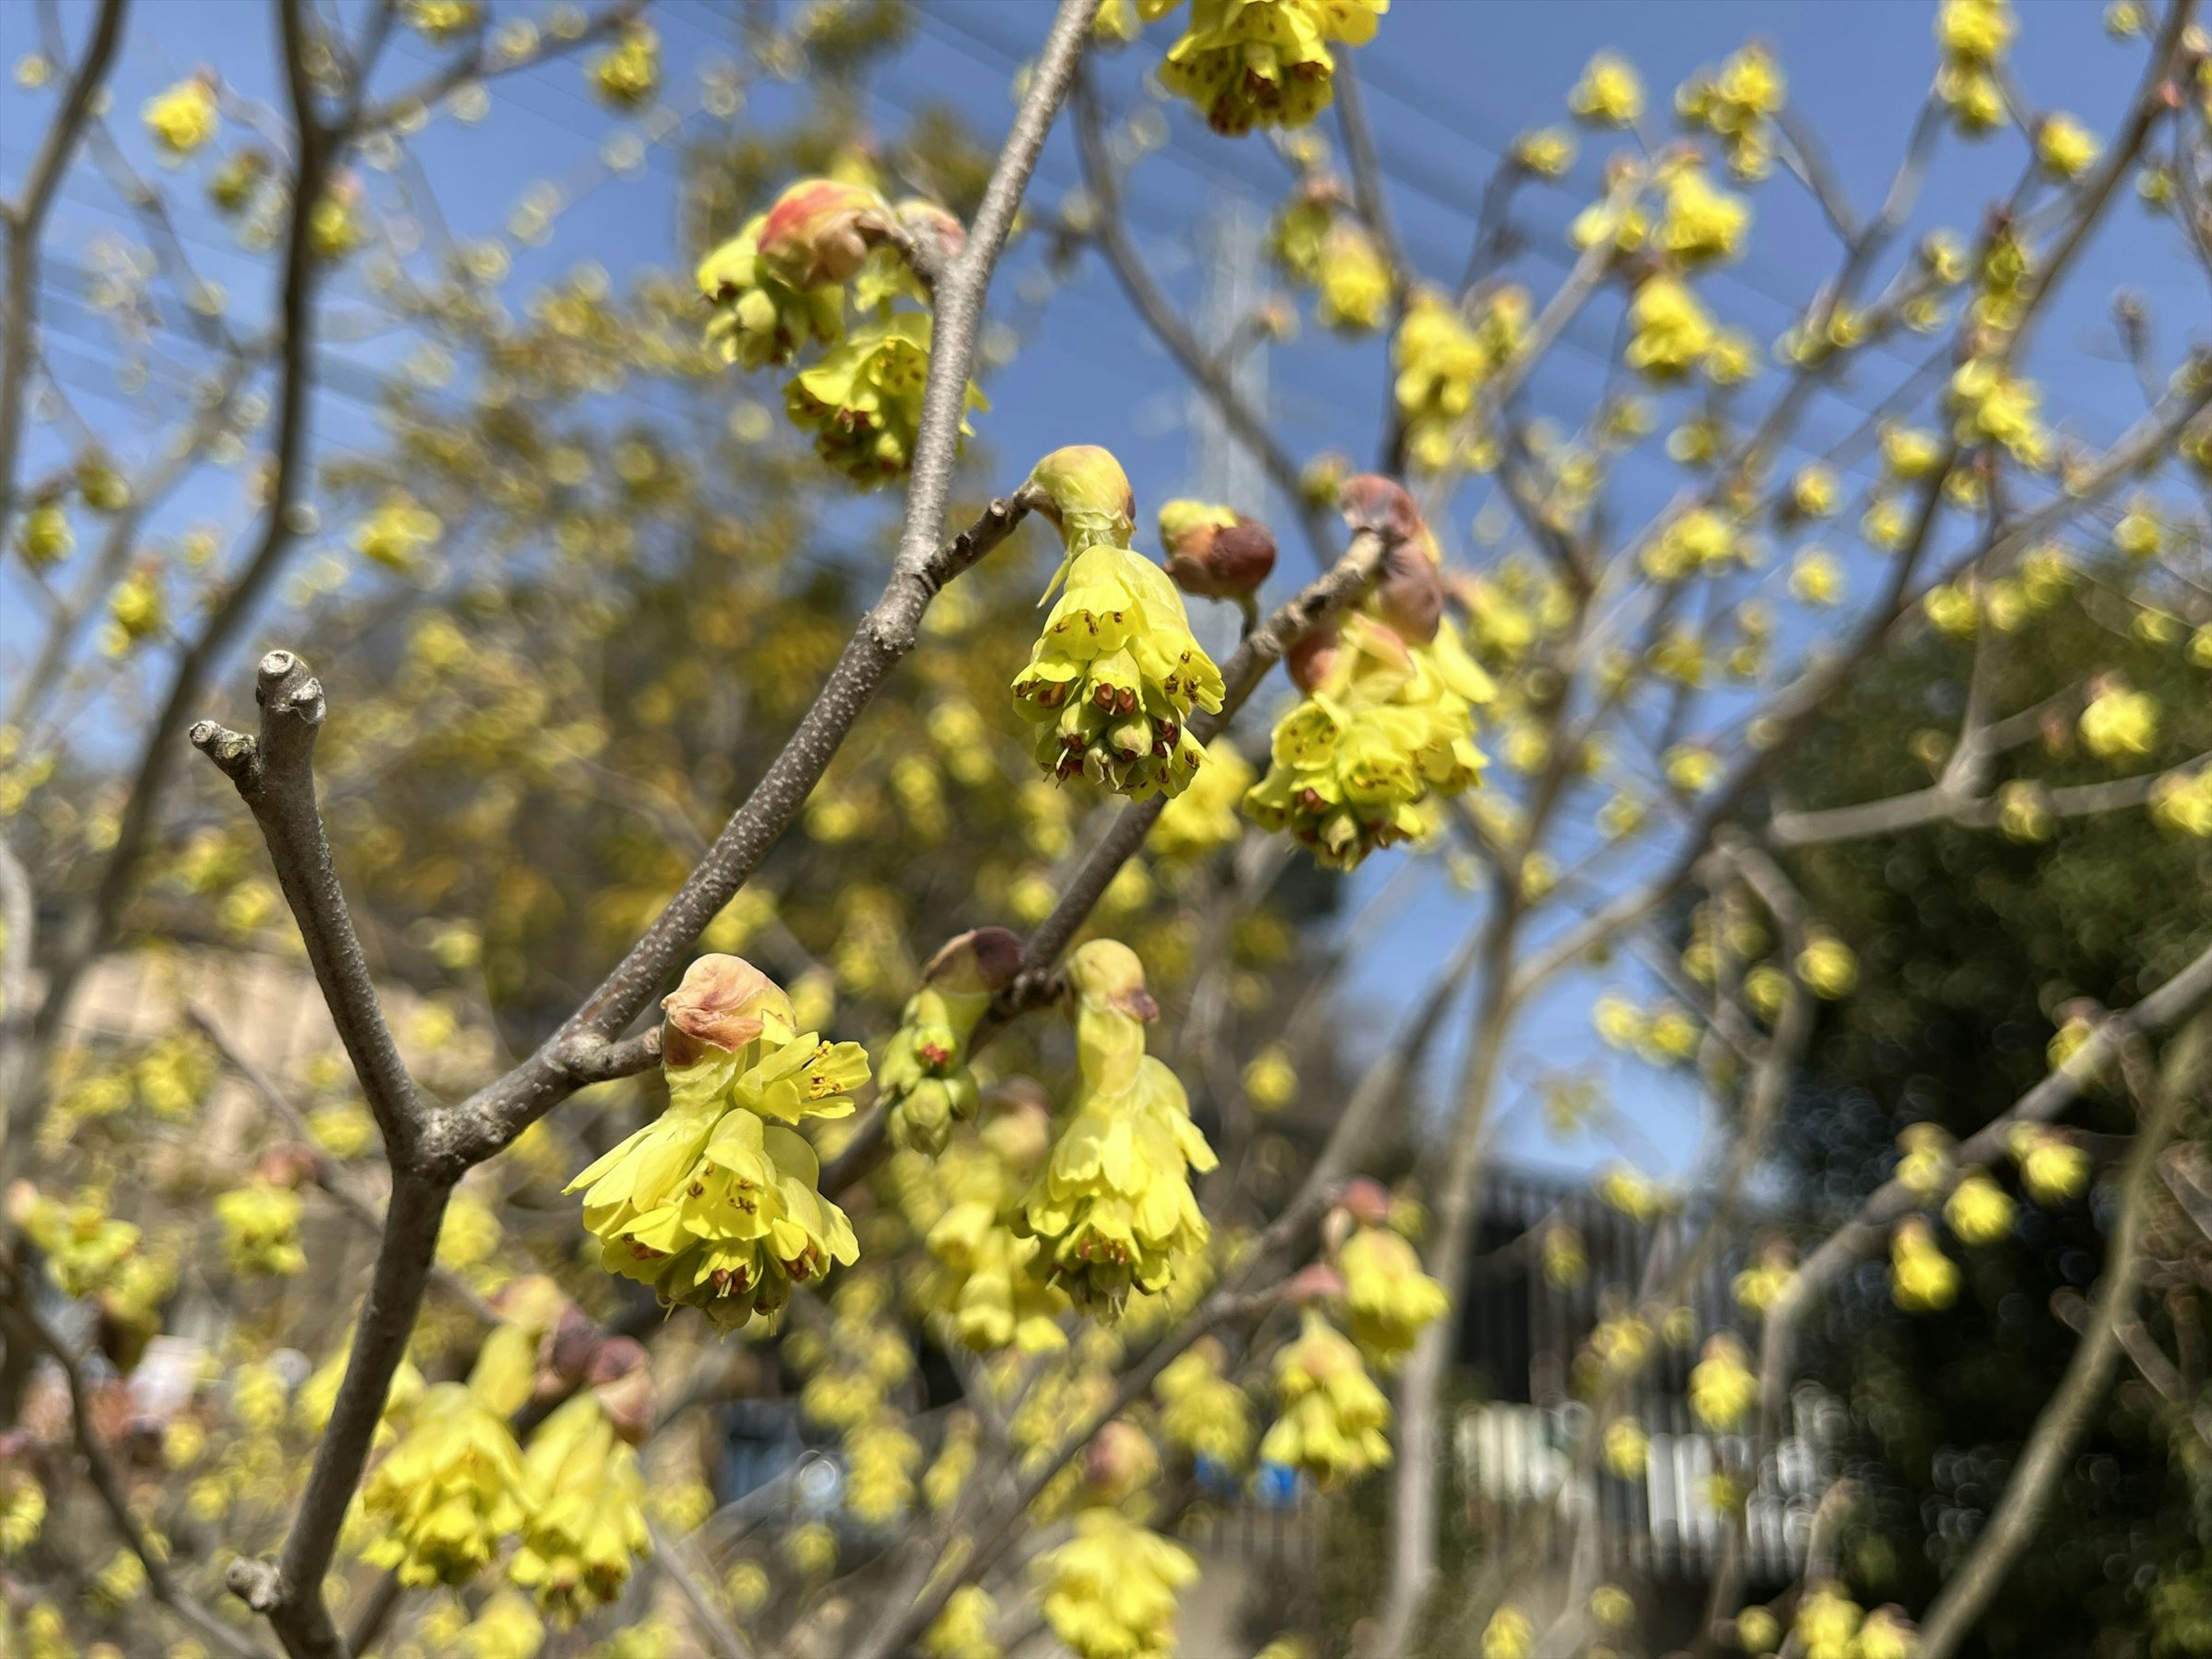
{"points": [[1332, 1415], [1737, 104], [1110, 1590], [1980, 1212], [1973, 35], [924, 1083], [261, 1230], [1922, 1279], [1722, 1390], [1353, 279], [1204, 819], [584, 1521], [967, 1204], [964, 1628], [1669, 331], [759, 321], [863, 400], [449, 1492], [1264, 63], [628, 76], [1113, 1208], [1990, 404], [1112, 679], [2118, 723], [397, 532], [85, 1248], [1442, 361], [1388, 1300], [1699, 225], [183, 119], [1203, 1411], [1387, 725], [715, 1204]]}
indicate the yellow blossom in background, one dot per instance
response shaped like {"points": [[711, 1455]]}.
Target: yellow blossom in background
{"points": [[1922, 1279], [1609, 93], [1355, 282], [183, 119], [1701, 224], [586, 1523], [1978, 1211], [1722, 1390], [1547, 152], [1510, 1634], [2119, 724], [629, 76], [1202, 1410], [964, 1630], [2052, 1168], [1625, 1446], [1110, 1591], [1669, 332], [1204, 817], [1271, 1081], [448, 1493], [2138, 534], [1388, 1300], [1333, 1414], [1816, 578], [2064, 148], [261, 1230]]}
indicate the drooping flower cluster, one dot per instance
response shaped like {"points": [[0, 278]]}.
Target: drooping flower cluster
{"points": [[261, 1230], [1110, 1590], [449, 1491], [1737, 103], [586, 1521], [781, 284], [1444, 359], [924, 1083], [1387, 724], [1973, 35], [714, 1203], [1112, 680], [1202, 1410], [1265, 63], [968, 1205], [1333, 1417], [1113, 1208], [1388, 1300]]}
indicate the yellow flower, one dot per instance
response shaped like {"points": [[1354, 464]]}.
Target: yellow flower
{"points": [[1355, 283], [397, 531], [1925, 1166], [714, 1203], [2051, 1167], [261, 1230], [22, 1509], [440, 21], [1691, 768], [1110, 1590], [1669, 332], [1695, 543], [1701, 224], [85, 1248], [628, 76], [45, 537], [1510, 1634], [863, 400], [1827, 966], [760, 320], [2064, 148], [183, 119], [2118, 723], [1204, 819], [1264, 63], [1388, 1300], [1722, 1390], [449, 1492], [2137, 534], [586, 1520], [1547, 152], [1922, 1279], [1203, 1411], [1625, 1446], [1113, 1208], [1758, 1630], [880, 1460], [1112, 679], [1441, 360], [1386, 726], [1332, 1415], [1990, 402], [1974, 31], [1886, 1634], [1980, 1210], [1815, 578], [1609, 93], [1911, 452], [964, 1630]]}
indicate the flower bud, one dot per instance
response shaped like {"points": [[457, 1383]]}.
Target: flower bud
{"points": [[723, 1002], [1107, 977], [820, 230], [1087, 496], [623, 1383], [982, 960], [1311, 656], [1120, 1460], [1215, 552], [1315, 1282], [1368, 1200], [926, 221]]}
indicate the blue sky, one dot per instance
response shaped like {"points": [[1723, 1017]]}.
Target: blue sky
{"points": [[1448, 83]]}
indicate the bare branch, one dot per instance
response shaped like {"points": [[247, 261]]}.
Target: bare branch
{"points": [[25, 222], [2019, 1512], [276, 778], [723, 1637]]}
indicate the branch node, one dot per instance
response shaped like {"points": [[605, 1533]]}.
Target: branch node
{"points": [[237, 756], [258, 1583]]}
